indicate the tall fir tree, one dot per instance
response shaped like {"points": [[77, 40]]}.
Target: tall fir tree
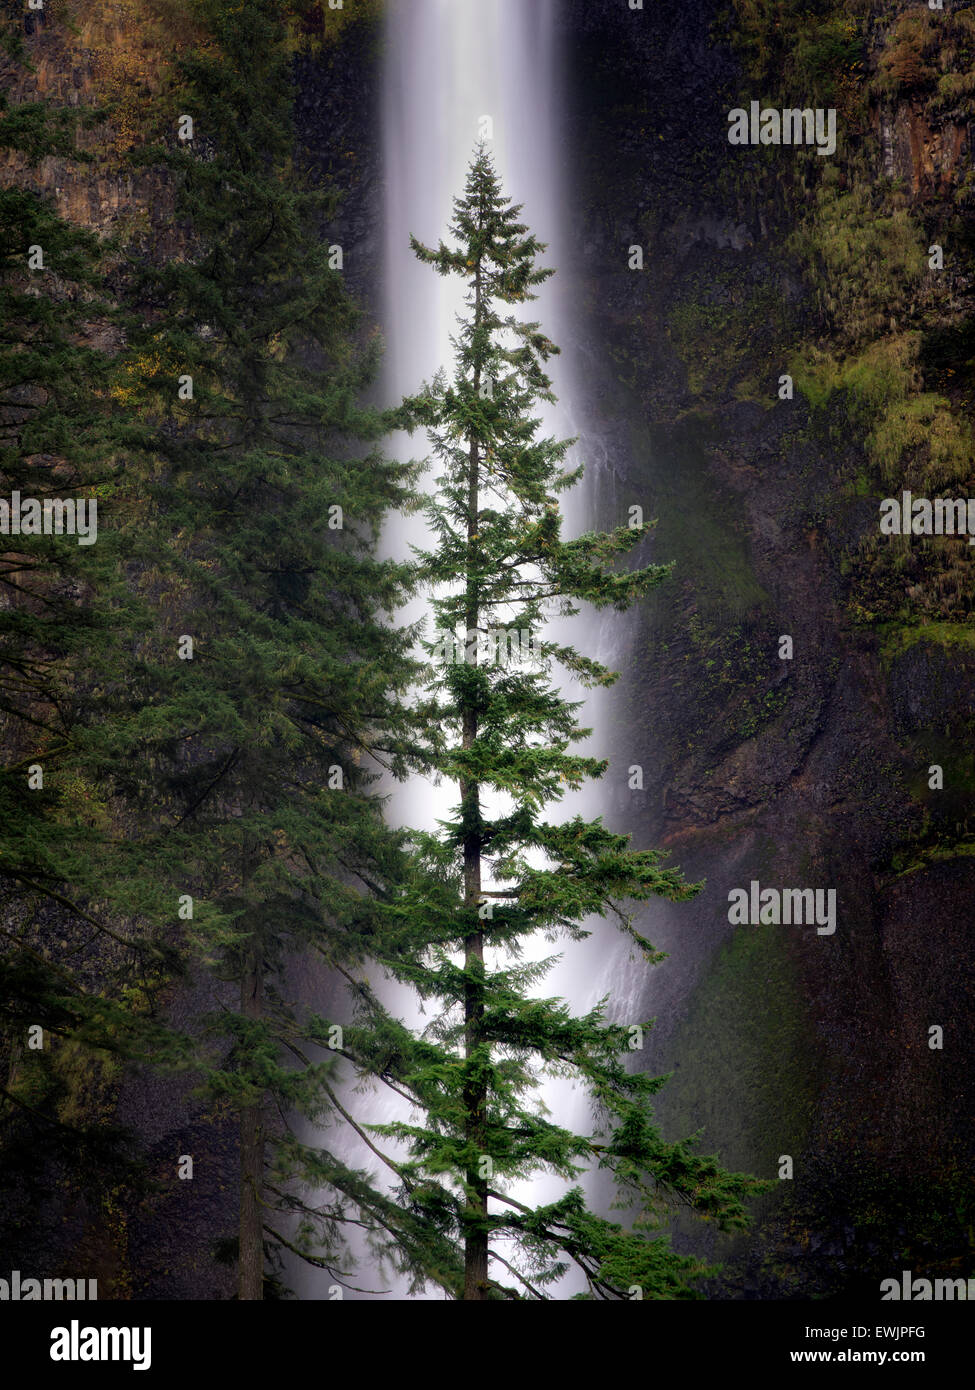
{"points": [[209, 685], [274, 680], [505, 874], [76, 980]]}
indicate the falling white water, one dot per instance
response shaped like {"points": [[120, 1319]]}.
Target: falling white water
{"points": [[449, 64], [452, 65]]}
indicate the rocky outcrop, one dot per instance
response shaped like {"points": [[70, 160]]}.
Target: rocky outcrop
{"points": [[806, 771]]}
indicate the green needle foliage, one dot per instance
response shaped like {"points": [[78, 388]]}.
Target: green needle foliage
{"points": [[75, 986], [499, 875], [212, 805], [263, 738]]}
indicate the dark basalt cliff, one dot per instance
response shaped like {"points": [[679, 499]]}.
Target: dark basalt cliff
{"points": [[810, 772]]}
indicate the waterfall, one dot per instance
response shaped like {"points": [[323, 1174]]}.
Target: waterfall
{"points": [[449, 64]]}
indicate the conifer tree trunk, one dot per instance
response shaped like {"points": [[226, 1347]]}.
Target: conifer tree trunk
{"points": [[251, 1256], [475, 1089]]}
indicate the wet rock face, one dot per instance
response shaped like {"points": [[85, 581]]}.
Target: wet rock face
{"points": [[337, 121], [107, 196], [930, 159], [801, 771]]}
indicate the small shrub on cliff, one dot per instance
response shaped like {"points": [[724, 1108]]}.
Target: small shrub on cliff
{"points": [[909, 62]]}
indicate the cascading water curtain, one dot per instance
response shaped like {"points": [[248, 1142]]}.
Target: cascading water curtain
{"points": [[458, 72]]}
